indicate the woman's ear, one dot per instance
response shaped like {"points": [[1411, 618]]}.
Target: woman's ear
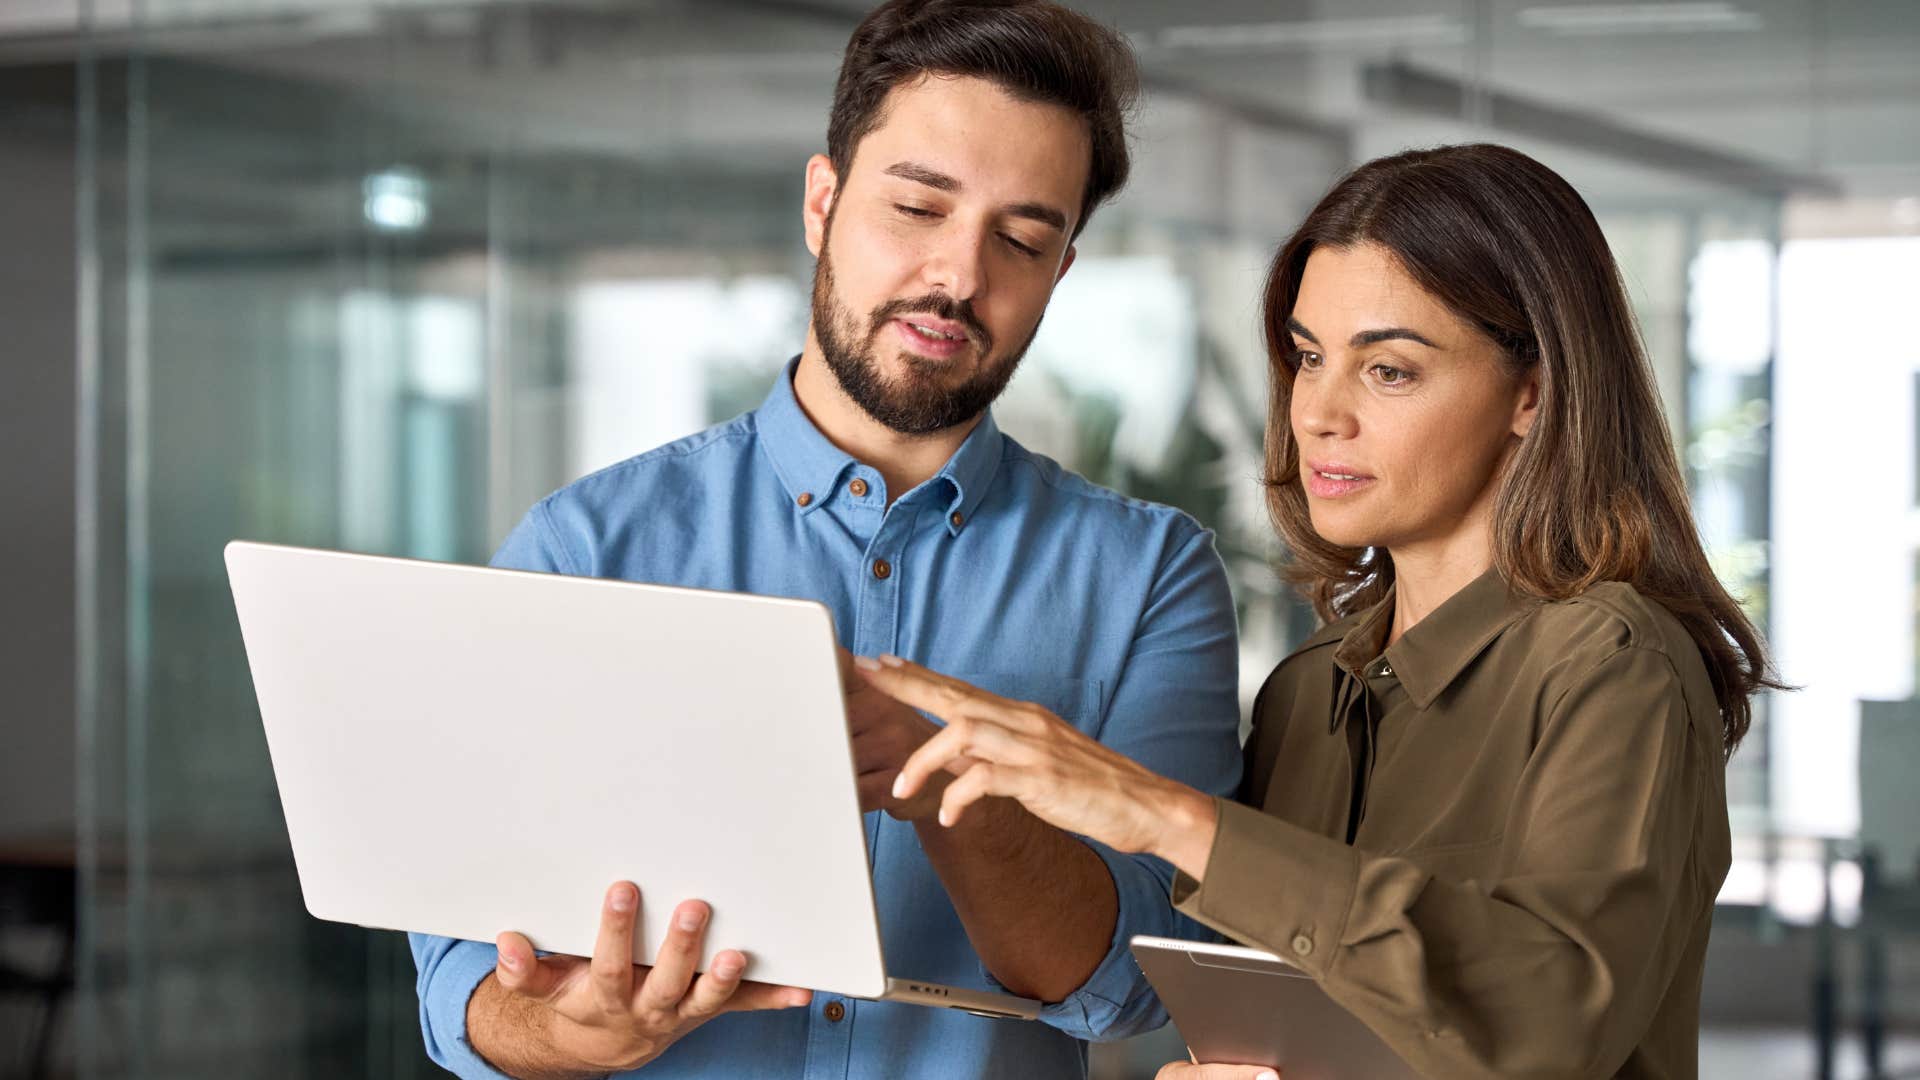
{"points": [[822, 185], [1527, 405]]}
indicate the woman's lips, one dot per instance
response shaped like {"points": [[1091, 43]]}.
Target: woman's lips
{"points": [[1331, 480]]}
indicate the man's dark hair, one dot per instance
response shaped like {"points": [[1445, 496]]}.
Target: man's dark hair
{"points": [[1035, 50]]}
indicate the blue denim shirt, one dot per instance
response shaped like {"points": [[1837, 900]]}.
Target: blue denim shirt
{"points": [[1006, 571]]}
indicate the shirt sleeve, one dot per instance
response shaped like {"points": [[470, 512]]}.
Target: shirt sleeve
{"points": [[1556, 966], [450, 970], [1175, 710]]}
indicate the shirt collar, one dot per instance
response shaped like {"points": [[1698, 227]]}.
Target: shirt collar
{"points": [[971, 469], [810, 467], [1437, 649]]}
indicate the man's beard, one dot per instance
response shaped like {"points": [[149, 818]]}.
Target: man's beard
{"points": [[918, 404]]}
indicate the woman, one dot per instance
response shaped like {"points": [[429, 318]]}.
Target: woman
{"points": [[1485, 804]]}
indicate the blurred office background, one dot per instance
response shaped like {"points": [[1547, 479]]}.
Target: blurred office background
{"points": [[378, 275]]}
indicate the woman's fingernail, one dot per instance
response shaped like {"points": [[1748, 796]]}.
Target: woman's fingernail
{"points": [[690, 919], [899, 786], [623, 899], [891, 660], [866, 663], [728, 969], [1266, 1076]]}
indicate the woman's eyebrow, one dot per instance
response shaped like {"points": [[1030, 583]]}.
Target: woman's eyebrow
{"points": [[1368, 337], [1391, 333]]}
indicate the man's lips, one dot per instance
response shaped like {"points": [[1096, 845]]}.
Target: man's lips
{"points": [[944, 327], [940, 339]]}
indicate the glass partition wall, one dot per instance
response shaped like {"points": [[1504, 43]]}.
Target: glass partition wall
{"points": [[379, 276]]}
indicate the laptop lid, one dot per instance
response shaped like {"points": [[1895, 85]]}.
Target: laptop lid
{"points": [[462, 750]]}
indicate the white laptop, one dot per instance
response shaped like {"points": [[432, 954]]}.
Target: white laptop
{"points": [[462, 751]]}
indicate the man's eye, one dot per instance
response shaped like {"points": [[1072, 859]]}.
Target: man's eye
{"points": [[1023, 249], [914, 211]]}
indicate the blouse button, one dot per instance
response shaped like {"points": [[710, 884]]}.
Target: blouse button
{"points": [[1302, 945]]}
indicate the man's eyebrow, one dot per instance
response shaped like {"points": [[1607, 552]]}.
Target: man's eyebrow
{"points": [[920, 174], [939, 181], [1040, 212]]}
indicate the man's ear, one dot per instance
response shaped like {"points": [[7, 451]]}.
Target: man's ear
{"points": [[1527, 407], [822, 185], [1066, 263]]}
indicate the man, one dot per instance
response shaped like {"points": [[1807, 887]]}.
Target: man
{"points": [[968, 142]]}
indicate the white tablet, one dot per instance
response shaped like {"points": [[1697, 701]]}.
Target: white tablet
{"points": [[1240, 1006]]}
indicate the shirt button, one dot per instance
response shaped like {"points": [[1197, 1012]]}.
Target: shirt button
{"points": [[881, 570], [858, 487], [805, 499], [957, 519], [1302, 945], [835, 1012], [1384, 668]]}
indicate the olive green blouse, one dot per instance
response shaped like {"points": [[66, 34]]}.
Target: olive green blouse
{"points": [[1497, 841]]}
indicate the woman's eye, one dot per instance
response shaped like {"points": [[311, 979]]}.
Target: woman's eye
{"points": [[1306, 360], [1392, 376]]}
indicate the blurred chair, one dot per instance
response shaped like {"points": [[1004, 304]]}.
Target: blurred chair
{"points": [[1889, 855], [38, 896]]}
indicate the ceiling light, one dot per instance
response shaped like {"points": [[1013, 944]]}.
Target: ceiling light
{"points": [[1638, 18], [1432, 29], [395, 200]]}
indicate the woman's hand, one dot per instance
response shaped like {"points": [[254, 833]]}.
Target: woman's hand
{"points": [[1185, 1070], [1022, 751]]}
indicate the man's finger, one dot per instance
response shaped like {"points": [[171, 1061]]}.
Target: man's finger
{"points": [[679, 955], [518, 969], [755, 995], [876, 789], [611, 969], [710, 992]]}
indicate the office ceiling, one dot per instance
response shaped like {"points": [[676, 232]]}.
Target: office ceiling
{"points": [[1651, 101]]}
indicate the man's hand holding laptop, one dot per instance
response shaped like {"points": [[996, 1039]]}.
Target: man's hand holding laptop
{"points": [[609, 1014]]}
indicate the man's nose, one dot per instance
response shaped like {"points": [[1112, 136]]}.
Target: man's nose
{"points": [[956, 266]]}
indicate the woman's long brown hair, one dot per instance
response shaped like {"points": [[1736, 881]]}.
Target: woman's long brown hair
{"points": [[1594, 491]]}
